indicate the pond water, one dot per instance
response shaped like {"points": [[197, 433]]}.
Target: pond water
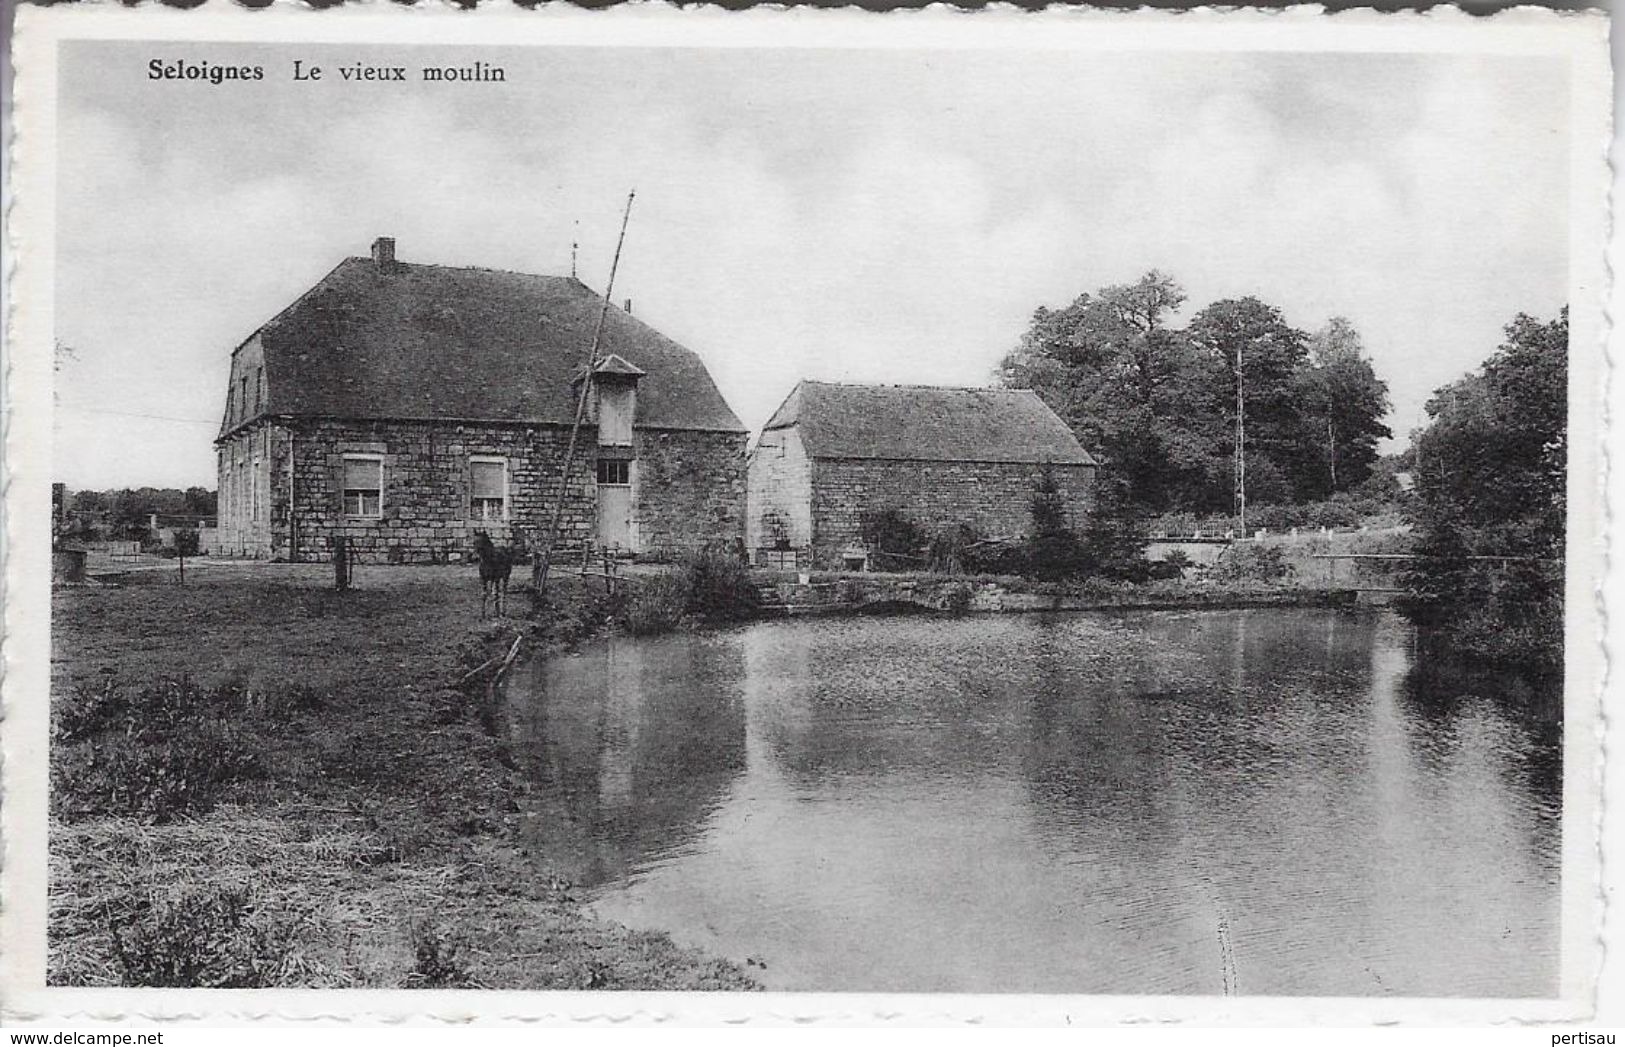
{"points": [[1258, 802]]}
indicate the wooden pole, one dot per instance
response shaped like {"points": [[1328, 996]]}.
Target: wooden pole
{"points": [[544, 562], [1241, 447]]}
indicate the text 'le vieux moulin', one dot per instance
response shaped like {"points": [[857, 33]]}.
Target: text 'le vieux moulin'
{"points": [[307, 72]]}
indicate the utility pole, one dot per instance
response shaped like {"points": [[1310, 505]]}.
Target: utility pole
{"points": [[1241, 445], [544, 562]]}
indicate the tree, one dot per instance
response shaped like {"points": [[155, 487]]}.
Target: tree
{"points": [[1343, 404], [1490, 470], [1054, 548], [1158, 405], [1127, 384], [1261, 355], [199, 501]]}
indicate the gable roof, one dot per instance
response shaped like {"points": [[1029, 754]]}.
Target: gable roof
{"points": [[404, 341], [927, 423]]}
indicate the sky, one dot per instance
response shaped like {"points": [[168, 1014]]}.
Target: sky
{"points": [[873, 216]]}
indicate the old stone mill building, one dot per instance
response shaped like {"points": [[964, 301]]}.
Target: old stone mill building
{"points": [[405, 406], [833, 453]]}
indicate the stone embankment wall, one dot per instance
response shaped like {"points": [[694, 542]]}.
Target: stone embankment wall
{"points": [[856, 593]]}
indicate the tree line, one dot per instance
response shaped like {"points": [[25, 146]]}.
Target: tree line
{"points": [[1489, 504], [126, 512], [1158, 403]]}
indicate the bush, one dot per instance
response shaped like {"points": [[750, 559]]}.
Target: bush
{"points": [[570, 621], [212, 938], [1172, 565], [657, 605], [996, 558], [895, 542], [186, 542], [719, 586], [1246, 562]]}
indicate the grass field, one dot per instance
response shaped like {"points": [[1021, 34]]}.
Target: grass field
{"points": [[257, 780]]}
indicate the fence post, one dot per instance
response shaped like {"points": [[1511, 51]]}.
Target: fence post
{"points": [[341, 562]]}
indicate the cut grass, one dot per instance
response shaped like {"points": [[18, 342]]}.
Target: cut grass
{"points": [[373, 845]]}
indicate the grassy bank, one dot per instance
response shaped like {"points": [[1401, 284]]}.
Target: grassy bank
{"points": [[314, 803]]}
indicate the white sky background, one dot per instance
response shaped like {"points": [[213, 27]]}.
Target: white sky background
{"points": [[863, 216]]}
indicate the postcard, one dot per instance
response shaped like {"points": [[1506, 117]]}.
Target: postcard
{"points": [[1069, 516]]}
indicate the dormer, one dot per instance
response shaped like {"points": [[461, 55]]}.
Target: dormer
{"points": [[614, 400]]}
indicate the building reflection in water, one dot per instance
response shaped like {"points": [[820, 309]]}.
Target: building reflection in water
{"points": [[629, 746], [1245, 801]]}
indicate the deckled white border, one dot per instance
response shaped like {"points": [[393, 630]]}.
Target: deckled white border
{"points": [[1580, 37]]}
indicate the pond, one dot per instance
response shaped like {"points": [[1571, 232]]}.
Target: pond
{"points": [[1249, 802]]}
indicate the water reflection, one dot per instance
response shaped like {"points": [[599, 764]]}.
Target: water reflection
{"points": [[630, 746], [1247, 802]]}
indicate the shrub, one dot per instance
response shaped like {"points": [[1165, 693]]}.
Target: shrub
{"points": [[1172, 565], [657, 605], [951, 551], [569, 621], [996, 558], [212, 938], [1246, 562], [895, 542], [186, 542], [956, 598], [719, 586]]}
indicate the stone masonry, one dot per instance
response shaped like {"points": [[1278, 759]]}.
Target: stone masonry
{"points": [[688, 489], [993, 498]]}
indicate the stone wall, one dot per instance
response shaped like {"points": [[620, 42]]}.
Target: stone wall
{"points": [[994, 498], [779, 492], [689, 491], [250, 503], [426, 511]]}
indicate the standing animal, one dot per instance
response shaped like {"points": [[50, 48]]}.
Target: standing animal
{"points": [[496, 563]]}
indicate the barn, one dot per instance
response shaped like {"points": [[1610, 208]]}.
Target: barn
{"points": [[834, 453], [405, 406]]}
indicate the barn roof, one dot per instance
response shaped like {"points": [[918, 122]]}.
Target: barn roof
{"points": [[927, 423], [404, 341]]}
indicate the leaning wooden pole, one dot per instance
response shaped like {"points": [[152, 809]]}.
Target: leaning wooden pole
{"points": [[539, 571]]}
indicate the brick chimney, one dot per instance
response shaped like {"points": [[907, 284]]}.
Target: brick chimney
{"points": [[383, 252]]}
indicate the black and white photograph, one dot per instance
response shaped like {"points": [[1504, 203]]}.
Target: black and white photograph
{"points": [[702, 503]]}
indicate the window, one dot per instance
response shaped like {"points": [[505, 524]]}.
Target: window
{"points": [[255, 504], [243, 397], [488, 488], [259, 389], [363, 485], [614, 471]]}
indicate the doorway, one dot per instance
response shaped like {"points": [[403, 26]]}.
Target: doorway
{"points": [[615, 504]]}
